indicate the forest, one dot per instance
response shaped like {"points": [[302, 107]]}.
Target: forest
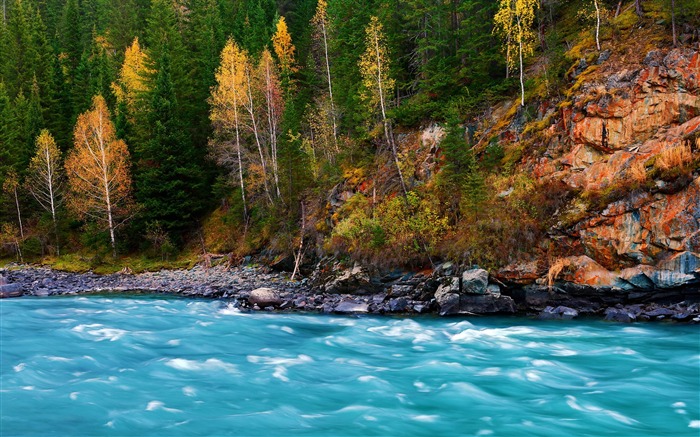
{"points": [[164, 129]]}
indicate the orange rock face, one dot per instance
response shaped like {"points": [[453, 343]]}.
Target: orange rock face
{"points": [[614, 130]]}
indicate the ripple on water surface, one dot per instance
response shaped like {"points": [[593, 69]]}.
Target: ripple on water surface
{"points": [[163, 366]]}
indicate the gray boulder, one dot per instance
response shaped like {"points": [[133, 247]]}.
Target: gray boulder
{"points": [[355, 281], [486, 304], [264, 296], [447, 296], [11, 290], [475, 281], [558, 313]]}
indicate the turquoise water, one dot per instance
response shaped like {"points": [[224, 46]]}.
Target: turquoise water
{"points": [[144, 366]]}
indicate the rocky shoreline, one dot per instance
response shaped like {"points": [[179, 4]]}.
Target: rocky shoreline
{"points": [[334, 289]]}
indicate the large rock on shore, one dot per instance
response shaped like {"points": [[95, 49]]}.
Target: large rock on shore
{"points": [[11, 290], [263, 297], [471, 295]]}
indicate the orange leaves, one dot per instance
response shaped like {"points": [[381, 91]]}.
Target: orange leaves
{"points": [[98, 169], [284, 49]]}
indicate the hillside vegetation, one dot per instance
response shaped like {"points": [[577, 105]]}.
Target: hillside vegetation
{"points": [[520, 135]]}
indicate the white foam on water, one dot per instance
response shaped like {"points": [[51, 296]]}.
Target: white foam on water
{"points": [[300, 359], [280, 373], [369, 418], [533, 376], [28, 387], [572, 402], [189, 391], [19, 367], [82, 328], [489, 371], [174, 342], [74, 395], [158, 405], [421, 387], [208, 365], [542, 363], [205, 324], [109, 424], [428, 418], [527, 423], [60, 359], [484, 432], [679, 405], [353, 408], [287, 329], [368, 378], [694, 424], [231, 310], [564, 353], [681, 412]]}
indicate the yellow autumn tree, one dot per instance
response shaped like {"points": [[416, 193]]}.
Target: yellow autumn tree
{"points": [[11, 187], [98, 171], [513, 23], [269, 83], [377, 82], [320, 23], [133, 77], [284, 49], [45, 177], [226, 104]]}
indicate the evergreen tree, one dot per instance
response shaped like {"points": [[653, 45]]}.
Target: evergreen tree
{"points": [[170, 184]]}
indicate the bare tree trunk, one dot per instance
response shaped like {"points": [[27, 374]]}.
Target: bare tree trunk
{"points": [[19, 214], [387, 125], [597, 24], [330, 86], [238, 152], [300, 252], [638, 7], [251, 112], [673, 23], [522, 75], [272, 126], [619, 6]]}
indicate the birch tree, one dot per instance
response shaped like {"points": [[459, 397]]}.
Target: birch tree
{"points": [[249, 103], [284, 50], [320, 23], [45, 178], [274, 107], [226, 103], [377, 82], [11, 187], [98, 170], [513, 22]]}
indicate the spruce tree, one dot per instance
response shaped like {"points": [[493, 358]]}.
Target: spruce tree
{"points": [[170, 185]]}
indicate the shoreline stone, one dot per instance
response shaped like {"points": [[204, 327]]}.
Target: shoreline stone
{"points": [[437, 292]]}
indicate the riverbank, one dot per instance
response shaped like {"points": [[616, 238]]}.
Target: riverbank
{"points": [[355, 291]]}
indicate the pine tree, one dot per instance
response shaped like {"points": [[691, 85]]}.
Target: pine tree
{"points": [[170, 185]]}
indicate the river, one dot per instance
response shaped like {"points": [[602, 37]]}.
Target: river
{"points": [[142, 366]]}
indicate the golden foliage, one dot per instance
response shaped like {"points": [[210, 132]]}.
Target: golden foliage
{"points": [[284, 49], [555, 269], [513, 23], [637, 172], [98, 168], [45, 177], [674, 157], [133, 77], [374, 65]]}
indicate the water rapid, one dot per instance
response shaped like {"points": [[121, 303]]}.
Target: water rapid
{"points": [[141, 366]]}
